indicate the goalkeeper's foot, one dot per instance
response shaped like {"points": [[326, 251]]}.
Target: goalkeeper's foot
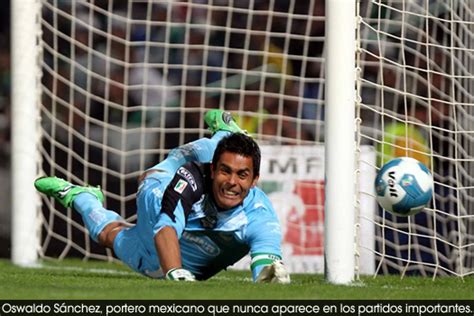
{"points": [[63, 191], [219, 120]]}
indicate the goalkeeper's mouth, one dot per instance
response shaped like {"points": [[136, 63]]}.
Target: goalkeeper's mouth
{"points": [[229, 197], [230, 194]]}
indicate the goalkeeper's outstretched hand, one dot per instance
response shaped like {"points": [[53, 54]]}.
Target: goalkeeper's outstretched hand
{"points": [[274, 273], [179, 274]]}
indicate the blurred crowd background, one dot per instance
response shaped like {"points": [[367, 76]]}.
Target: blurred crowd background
{"points": [[245, 56]]}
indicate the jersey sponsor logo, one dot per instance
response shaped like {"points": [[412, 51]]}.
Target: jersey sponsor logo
{"points": [[180, 186], [204, 243], [188, 176]]}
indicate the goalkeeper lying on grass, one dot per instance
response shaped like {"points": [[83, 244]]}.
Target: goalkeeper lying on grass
{"points": [[195, 218]]}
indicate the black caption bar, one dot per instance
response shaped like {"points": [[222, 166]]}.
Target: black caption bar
{"points": [[240, 307]]}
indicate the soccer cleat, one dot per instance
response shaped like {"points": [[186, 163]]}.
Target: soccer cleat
{"points": [[63, 191], [219, 120]]}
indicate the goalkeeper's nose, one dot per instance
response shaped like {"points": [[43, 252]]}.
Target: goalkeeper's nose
{"points": [[232, 179]]}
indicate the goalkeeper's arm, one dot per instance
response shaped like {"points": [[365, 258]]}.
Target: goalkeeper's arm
{"points": [[264, 237]]}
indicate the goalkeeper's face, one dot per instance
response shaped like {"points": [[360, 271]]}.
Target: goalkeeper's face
{"points": [[232, 179]]}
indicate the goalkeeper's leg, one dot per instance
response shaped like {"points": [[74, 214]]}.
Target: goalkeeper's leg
{"points": [[102, 224]]}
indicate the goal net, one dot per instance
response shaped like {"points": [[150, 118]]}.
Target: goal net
{"points": [[416, 99], [123, 82]]}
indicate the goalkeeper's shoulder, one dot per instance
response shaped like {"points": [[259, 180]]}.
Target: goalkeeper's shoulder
{"points": [[260, 202]]}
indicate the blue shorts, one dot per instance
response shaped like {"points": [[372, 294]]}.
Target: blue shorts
{"points": [[135, 246], [129, 248]]}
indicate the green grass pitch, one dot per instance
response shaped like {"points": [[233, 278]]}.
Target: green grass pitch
{"points": [[77, 280]]}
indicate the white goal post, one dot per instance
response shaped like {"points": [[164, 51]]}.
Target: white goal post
{"points": [[119, 83], [25, 131], [340, 177]]}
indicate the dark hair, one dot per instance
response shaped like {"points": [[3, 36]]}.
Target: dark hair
{"points": [[241, 144]]}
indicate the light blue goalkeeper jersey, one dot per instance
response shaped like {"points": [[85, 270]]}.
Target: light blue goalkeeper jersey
{"points": [[210, 241]]}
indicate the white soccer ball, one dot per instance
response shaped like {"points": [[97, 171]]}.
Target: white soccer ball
{"points": [[403, 186]]}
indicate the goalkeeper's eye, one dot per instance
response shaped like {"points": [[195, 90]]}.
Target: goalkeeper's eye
{"points": [[244, 175]]}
